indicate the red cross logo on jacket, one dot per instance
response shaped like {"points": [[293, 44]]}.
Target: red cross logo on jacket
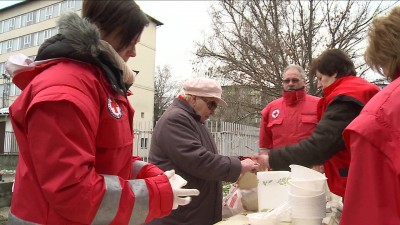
{"points": [[114, 108]]}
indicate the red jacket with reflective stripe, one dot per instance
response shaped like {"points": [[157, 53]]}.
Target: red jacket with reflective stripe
{"points": [[357, 90], [288, 120], [71, 128]]}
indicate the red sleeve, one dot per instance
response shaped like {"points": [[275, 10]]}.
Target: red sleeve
{"points": [[265, 140], [64, 161]]}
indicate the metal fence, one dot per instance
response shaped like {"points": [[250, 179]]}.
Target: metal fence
{"points": [[10, 143], [231, 139]]}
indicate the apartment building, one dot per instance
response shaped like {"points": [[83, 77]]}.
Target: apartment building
{"points": [[26, 25]]}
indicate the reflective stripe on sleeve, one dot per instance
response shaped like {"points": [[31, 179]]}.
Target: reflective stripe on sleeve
{"points": [[110, 203], [141, 206], [13, 220], [136, 167]]}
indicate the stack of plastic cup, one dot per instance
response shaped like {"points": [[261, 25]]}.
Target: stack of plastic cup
{"points": [[307, 195]]}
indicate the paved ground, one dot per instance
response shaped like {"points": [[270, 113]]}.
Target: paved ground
{"points": [[3, 215]]}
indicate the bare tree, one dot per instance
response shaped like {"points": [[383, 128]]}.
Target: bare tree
{"points": [[165, 90], [253, 41]]}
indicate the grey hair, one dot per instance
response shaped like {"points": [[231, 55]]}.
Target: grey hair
{"points": [[298, 68]]}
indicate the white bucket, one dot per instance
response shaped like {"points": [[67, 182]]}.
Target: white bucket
{"points": [[303, 173], [272, 189]]}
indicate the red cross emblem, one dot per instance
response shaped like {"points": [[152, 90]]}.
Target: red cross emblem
{"points": [[275, 113], [114, 108]]}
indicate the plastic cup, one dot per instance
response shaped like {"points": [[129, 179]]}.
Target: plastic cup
{"points": [[308, 206], [300, 191], [313, 185], [304, 173]]}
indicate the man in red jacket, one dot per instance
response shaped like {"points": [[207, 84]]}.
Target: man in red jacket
{"points": [[291, 118]]}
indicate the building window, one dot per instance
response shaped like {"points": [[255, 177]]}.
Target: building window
{"points": [[9, 45], [48, 12], [143, 143], [11, 24], [27, 41], [14, 90], [28, 18], [71, 4], [46, 34], [142, 115], [2, 68]]}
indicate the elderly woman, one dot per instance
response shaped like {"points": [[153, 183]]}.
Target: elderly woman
{"points": [[374, 136], [344, 97], [182, 142], [73, 124]]}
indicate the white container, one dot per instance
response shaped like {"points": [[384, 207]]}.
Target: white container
{"points": [[306, 221], [304, 173], [313, 185], [301, 191], [272, 189], [308, 206]]}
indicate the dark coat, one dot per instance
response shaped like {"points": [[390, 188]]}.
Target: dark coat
{"points": [[181, 142]]}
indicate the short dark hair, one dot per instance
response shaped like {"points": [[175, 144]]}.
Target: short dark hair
{"points": [[333, 61], [122, 16]]}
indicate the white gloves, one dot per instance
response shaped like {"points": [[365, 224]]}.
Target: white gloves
{"points": [[181, 196]]}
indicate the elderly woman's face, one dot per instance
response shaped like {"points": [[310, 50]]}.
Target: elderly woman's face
{"points": [[204, 107]]}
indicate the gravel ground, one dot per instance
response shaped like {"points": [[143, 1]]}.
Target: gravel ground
{"points": [[3, 215]]}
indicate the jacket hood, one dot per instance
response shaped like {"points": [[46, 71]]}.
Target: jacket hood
{"points": [[79, 40]]}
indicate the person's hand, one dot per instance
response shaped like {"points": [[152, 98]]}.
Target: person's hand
{"points": [[181, 196], [249, 165], [263, 160]]}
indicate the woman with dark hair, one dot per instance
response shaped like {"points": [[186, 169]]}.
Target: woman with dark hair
{"points": [[344, 97], [374, 136], [73, 124]]}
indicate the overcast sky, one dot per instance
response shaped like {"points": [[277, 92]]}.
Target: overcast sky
{"points": [[184, 22]]}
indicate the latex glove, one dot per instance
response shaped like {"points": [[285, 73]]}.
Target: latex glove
{"points": [[181, 196]]}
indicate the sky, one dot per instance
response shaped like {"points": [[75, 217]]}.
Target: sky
{"points": [[184, 23]]}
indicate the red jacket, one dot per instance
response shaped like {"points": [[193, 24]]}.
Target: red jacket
{"points": [[288, 120], [75, 163], [373, 185], [357, 90]]}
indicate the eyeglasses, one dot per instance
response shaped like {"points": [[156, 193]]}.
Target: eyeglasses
{"points": [[211, 105], [294, 81], [135, 72]]}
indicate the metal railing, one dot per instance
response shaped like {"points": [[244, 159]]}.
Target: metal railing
{"points": [[231, 139]]}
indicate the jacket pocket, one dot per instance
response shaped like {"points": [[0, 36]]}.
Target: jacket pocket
{"points": [[309, 118], [274, 122]]}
